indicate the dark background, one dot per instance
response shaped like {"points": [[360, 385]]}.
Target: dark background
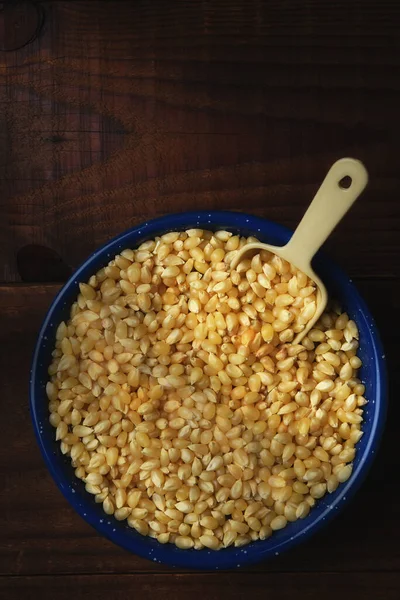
{"points": [[120, 111]]}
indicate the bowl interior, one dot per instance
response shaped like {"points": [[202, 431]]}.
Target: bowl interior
{"points": [[372, 373]]}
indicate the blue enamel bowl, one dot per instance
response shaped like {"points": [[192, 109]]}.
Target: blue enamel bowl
{"points": [[373, 375]]}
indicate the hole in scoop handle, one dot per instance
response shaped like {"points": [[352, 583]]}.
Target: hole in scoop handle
{"points": [[328, 207]]}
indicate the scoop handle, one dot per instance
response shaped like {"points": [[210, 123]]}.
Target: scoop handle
{"points": [[328, 207]]}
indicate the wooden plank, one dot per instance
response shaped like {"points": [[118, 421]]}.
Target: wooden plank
{"points": [[41, 534], [122, 111], [235, 586]]}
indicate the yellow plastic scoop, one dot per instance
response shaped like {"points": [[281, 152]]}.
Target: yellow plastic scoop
{"points": [[330, 204]]}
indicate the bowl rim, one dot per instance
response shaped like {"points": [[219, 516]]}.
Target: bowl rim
{"points": [[168, 553]]}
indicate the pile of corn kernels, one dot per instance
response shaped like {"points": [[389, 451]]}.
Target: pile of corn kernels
{"points": [[184, 406]]}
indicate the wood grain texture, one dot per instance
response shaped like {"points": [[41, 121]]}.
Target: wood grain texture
{"points": [[281, 586], [121, 111]]}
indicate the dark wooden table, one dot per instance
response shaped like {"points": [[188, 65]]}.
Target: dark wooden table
{"points": [[120, 111]]}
